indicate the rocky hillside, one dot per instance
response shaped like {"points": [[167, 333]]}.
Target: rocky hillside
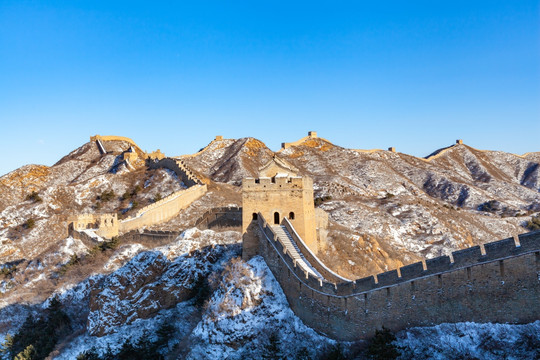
{"points": [[229, 160], [193, 298], [37, 200], [389, 209]]}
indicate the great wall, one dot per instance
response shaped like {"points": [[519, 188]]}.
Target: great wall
{"points": [[495, 282], [108, 225], [501, 285]]}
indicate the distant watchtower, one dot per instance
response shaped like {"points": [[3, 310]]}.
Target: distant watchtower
{"points": [[278, 192]]}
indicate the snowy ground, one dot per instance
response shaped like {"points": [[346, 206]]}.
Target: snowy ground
{"points": [[471, 341], [246, 308]]}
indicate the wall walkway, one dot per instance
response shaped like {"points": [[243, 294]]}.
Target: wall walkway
{"points": [[220, 217], [163, 210], [499, 283], [188, 177], [158, 212], [170, 206]]}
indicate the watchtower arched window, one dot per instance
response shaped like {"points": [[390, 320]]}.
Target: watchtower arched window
{"points": [[291, 216], [255, 217], [276, 218]]}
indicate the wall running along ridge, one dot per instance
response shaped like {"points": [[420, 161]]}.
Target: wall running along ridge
{"points": [[150, 236], [311, 135], [163, 210], [168, 207], [220, 217], [499, 282], [101, 138], [188, 177]]}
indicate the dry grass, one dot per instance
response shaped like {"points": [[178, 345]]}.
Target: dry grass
{"points": [[368, 254]]}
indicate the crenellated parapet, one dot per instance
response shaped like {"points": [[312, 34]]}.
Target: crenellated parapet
{"points": [[227, 216], [498, 282], [279, 197], [276, 183], [108, 225], [155, 155], [104, 225], [164, 209]]}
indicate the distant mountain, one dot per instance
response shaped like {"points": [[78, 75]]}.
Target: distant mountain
{"points": [[386, 209], [230, 160], [391, 208]]}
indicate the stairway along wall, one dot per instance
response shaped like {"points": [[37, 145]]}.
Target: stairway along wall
{"points": [[501, 285]]}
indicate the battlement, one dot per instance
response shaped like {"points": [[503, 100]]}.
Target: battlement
{"points": [[164, 209], [113, 138], [130, 154], [328, 274], [278, 193], [155, 155], [460, 259], [276, 183], [497, 250], [470, 285], [105, 225], [311, 135], [108, 226]]}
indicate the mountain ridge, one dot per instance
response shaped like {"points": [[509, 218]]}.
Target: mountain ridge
{"points": [[386, 209]]}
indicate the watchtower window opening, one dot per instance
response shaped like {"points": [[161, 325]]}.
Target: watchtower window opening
{"points": [[255, 216], [276, 218], [291, 216]]}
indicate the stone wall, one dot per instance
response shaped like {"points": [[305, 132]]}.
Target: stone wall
{"points": [[105, 225], [220, 217], [99, 141], [150, 236], [155, 155], [188, 177], [289, 197], [328, 274], [108, 226], [311, 135], [113, 138], [86, 239], [163, 210], [502, 285]]}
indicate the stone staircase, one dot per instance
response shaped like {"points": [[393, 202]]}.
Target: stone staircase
{"points": [[292, 249]]}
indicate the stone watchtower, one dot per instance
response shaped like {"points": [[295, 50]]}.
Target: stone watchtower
{"points": [[278, 192]]}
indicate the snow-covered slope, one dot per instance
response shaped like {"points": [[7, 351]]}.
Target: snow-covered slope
{"points": [[386, 209]]}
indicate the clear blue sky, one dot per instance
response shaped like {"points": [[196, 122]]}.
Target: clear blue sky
{"points": [[171, 75]]}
